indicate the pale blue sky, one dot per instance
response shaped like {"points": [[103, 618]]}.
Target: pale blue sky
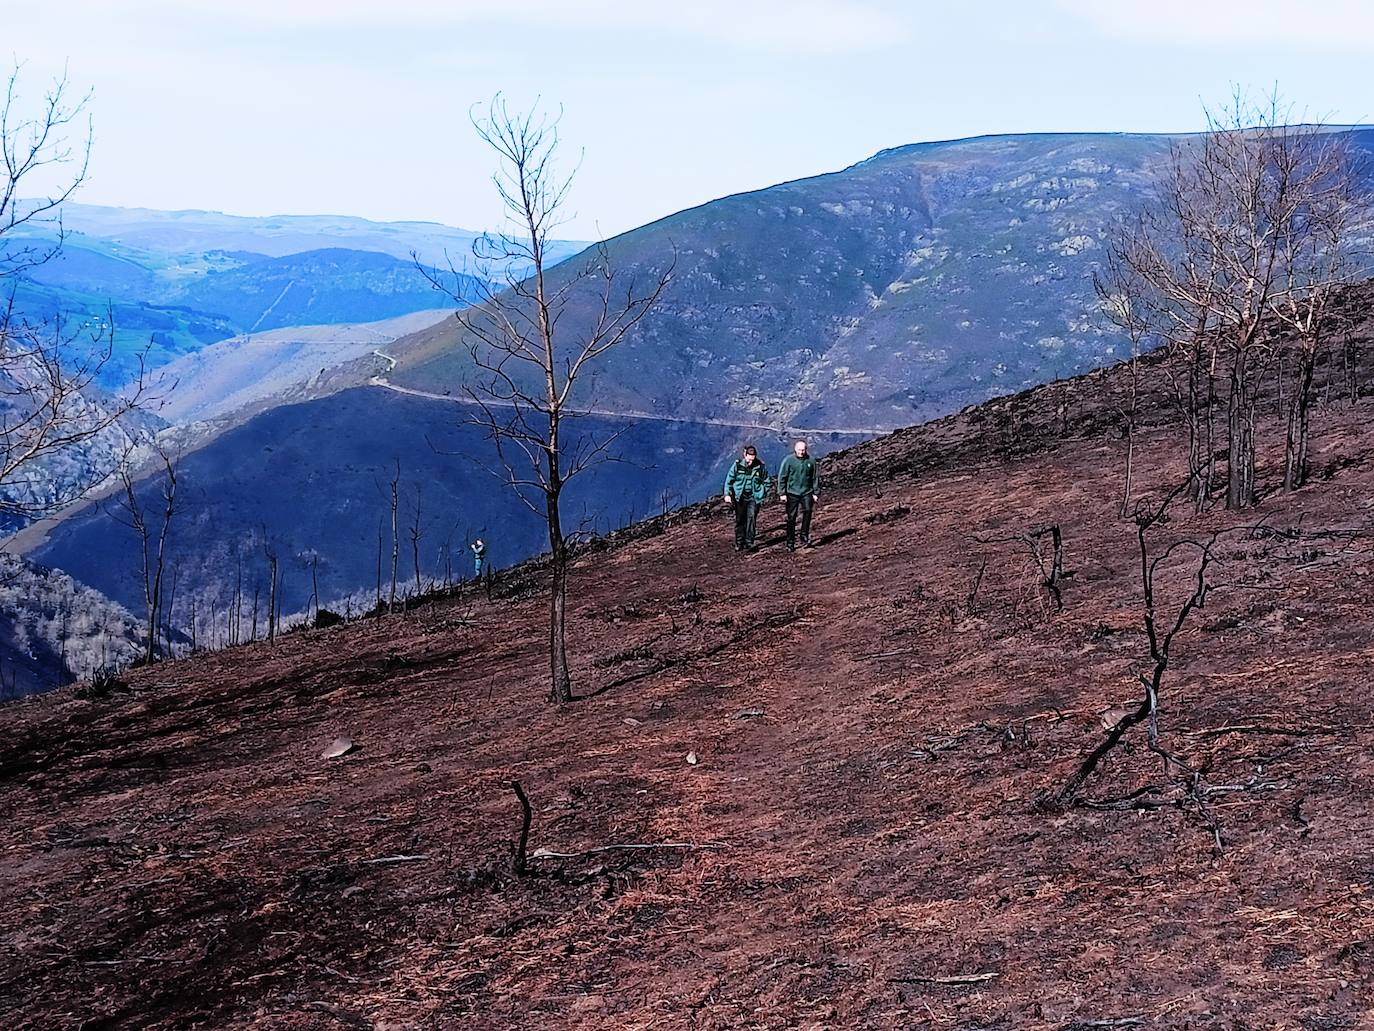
{"points": [[360, 106]]}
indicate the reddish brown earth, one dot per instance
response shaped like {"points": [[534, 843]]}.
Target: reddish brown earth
{"points": [[870, 747]]}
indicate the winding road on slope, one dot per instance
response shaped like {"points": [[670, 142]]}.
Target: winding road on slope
{"points": [[865, 433]]}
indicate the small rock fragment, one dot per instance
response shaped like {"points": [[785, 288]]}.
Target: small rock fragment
{"points": [[339, 747]]}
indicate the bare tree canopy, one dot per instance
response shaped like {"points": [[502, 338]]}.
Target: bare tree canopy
{"points": [[36, 145], [527, 361], [1245, 248], [50, 405]]}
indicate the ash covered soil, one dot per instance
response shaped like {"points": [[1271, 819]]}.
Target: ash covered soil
{"points": [[872, 720]]}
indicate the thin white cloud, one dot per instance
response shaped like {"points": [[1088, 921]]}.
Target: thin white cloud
{"points": [[1335, 25], [803, 27]]}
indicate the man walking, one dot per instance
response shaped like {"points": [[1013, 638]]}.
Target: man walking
{"points": [[799, 485], [745, 486]]}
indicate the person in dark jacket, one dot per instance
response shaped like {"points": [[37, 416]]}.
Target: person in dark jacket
{"points": [[479, 557], [799, 485], [746, 484]]}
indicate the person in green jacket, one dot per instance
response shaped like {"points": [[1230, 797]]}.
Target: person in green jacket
{"points": [[745, 486], [799, 485]]}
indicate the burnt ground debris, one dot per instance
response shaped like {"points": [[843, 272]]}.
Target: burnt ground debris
{"points": [[872, 720]]}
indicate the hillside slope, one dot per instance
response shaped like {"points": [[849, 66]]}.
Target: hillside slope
{"points": [[905, 287], [275, 366], [54, 630], [853, 739], [311, 481]]}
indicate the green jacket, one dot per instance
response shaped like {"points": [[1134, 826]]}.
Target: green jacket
{"points": [[744, 480], [798, 476]]}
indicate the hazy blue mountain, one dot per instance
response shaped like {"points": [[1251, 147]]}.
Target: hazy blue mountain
{"points": [[179, 280], [191, 232], [923, 279], [174, 306]]}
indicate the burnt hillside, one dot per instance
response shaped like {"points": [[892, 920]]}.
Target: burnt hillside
{"points": [[853, 741]]}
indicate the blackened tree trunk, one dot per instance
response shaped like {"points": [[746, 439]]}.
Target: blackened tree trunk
{"points": [[1240, 431], [1299, 421], [560, 678]]}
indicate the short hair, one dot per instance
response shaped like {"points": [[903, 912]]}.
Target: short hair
{"points": [[749, 449]]}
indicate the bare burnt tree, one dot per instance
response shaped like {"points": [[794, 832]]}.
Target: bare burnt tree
{"points": [[1123, 299], [235, 613], [1046, 566], [36, 143], [1228, 244], [395, 535], [269, 549], [416, 531], [48, 370], [170, 608], [533, 340], [380, 544], [314, 586], [1162, 626], [151, 523], [1317, 265]]}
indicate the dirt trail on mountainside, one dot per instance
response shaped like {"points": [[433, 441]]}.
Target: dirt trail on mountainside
{"points": [[873, 720]]}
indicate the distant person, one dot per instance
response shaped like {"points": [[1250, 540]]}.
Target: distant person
{"points": [[799, 485], [479, 558], [746, 484]]}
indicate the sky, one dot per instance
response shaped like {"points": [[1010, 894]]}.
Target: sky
{"points": [[361, 107]]}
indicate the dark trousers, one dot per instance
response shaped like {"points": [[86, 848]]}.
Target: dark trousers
{"points": [[746, 517], [804, 503]]}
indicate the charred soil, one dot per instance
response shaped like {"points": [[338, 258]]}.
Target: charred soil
{"points": [[837, 754]]}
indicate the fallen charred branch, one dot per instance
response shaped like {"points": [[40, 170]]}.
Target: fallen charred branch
{"points": [[950, 980], [543, 853], [1250, 728]]}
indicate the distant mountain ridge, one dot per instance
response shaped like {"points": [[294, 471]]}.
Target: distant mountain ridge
{"points": [[177, 281], [275, 236], [920, 280]]}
